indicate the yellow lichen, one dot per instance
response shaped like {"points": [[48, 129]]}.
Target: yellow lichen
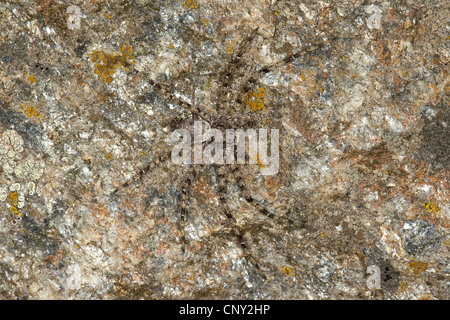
{"points": [[403, 286], [142, 153], [230, 49], [190, 4], [255, 100], [431, 207], [31, 112], [12, 200], [32, 79], [258, 161], [106, 64], [418, 266], [427, 297], [287, 271], [13, 210]]}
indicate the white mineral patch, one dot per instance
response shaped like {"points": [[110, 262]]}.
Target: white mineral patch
{"points": [[308, 13], [14, 187], [354, 103], [73, 281], [3, 193]]}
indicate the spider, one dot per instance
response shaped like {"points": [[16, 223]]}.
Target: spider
{"points": [[224, 176]]}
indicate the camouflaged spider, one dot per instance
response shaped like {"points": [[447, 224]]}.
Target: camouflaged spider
{"points": [[224, 176]]}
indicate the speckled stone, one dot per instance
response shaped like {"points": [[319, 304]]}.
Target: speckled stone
{"points": [[93, 207]]}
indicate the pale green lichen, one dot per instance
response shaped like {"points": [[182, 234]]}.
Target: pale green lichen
{"points": [[20, 173], [3, 194], [30, 169], [11, 145]]}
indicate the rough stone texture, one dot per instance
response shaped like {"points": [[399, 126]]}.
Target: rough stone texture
{"points": [[93, 207], [420, 235]]}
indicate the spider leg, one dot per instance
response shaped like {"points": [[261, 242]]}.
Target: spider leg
{"points": [[183, 215], [280, 220], [190, 176], [222, 174]]}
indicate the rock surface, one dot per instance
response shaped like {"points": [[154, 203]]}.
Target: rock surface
{"points": [[93, 207]]}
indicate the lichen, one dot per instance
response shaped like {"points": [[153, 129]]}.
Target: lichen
{"points": [[431, 207], [31, 112], [19, 173], [32, 79], [190, 4], [255, 100], [287, 271], [230, 49], [106, 64], [417, 266]]}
